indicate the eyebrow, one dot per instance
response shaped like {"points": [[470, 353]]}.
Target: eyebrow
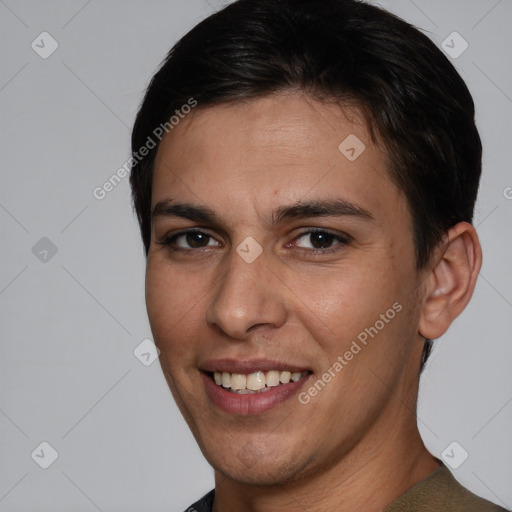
{"points": [[299, 210], [196, 213], [319, 208]]}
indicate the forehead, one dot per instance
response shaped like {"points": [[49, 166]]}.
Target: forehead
{"points": [[273, 149]]}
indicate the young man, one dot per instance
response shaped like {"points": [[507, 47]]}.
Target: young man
{"points": [[305, 178]]}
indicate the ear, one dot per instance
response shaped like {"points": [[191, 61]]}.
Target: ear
{"points": [[451, 280]]}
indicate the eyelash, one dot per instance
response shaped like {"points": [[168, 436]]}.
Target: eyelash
{"points": [[343, 240]]}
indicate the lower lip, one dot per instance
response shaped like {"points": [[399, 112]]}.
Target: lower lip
{"points": [[255, 403]]}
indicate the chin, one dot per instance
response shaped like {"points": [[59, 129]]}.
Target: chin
{"points": [[252, 465], [259, 475]]}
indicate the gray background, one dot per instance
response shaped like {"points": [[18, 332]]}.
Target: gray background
{"points": [[70, 321]]}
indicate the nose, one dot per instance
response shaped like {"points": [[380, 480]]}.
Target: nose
{"points": [[248, 295]]}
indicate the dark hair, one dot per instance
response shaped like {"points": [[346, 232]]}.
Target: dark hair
{"points": [[343, 50]]}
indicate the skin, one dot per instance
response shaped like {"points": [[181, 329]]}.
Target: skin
{"points": [[355, 445]]}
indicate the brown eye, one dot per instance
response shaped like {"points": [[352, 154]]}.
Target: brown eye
{"points": [[319, 240], [189, 240], [196, 239]]}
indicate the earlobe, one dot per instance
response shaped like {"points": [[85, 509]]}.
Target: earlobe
{"points": [[451, 281]]}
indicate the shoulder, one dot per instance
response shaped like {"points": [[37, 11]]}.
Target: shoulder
{"points": [[440, 492], [205, 504]]}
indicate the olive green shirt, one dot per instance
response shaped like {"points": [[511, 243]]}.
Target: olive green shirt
{"points": [[438, 492]]}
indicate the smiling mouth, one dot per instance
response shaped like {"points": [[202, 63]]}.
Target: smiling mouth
{"points": [[256, 382]]}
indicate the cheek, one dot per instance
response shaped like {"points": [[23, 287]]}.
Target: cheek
{"points": [[366, 303], [346, 300], [173, 303]]}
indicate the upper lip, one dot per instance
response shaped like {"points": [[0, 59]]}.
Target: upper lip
{"points": [[246, 366]]}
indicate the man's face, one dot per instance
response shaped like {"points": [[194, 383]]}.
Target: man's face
{"points": [[334, 278]]}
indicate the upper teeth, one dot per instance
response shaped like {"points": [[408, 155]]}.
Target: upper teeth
{"points": [[255, 381]]}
